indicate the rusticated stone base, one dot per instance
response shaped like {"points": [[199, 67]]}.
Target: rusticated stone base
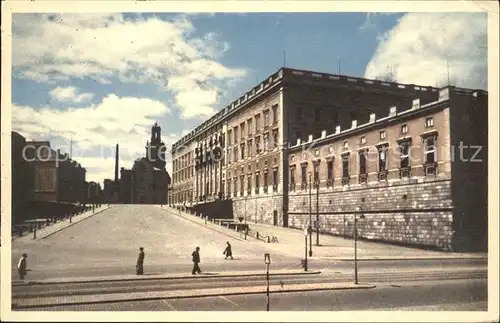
{"points": [[416, 212], [266, 209]]}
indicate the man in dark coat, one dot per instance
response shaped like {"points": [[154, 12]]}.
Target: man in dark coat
{"points": [[139, 268], [228, 252], [196, 261], [21, 266]]}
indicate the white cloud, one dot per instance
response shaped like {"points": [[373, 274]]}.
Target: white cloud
{"points": [[95, 130], [104, 46], [69, 94], [418, 48]]}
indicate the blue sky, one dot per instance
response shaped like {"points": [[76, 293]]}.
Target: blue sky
{"points": [[103, 79]]}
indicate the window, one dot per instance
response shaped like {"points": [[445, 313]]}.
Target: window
{"points": [[249, 126], [382, 135], [235, 151], [430, 155], [345, 169], [429, 122], [266, 141], [346, 145], [249, 185], [362, 140], [292, 178], [362, 167], [404, 129], [242, 149], [249, 147], [257, 122], [266, 184], [404, 155], [242, 130], [303, 175], [235, 134], [316, 173], [266, 118], [242, 184], [257, 182], [275, 138], [257, 145], [275, 180], [235, 186], [329, 167], [275, 114], [229, 158], [382, 163], [298, 135]]}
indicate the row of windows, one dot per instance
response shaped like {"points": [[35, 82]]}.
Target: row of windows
{"points": [[239, 183], [239, 131], [253, 146], [430, 160]]}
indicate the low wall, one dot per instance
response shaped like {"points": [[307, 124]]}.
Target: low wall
{"points": [[259, 209], [409, 212]]}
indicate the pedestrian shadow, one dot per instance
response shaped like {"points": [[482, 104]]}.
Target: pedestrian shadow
{"points": [[208, 274]]}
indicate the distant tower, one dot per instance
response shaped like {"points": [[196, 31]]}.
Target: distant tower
{"points": [[155, 149], [116, 163]]}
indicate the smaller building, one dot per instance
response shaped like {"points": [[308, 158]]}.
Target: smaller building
{"points": [[48, 183], [144, 184], [148, 180]]}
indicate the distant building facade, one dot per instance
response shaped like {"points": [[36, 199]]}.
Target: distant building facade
{"points": [[243, 153], [45, 181], [148, 180]]}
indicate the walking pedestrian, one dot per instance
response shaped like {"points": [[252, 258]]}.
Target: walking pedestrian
{"points": [[21, 266], [139, 267], [228, 252], [196, 261]]}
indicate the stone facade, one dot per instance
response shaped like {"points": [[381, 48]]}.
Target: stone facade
{"points": [[412, 212], [345, 123], [259, 209], [407, 195]]}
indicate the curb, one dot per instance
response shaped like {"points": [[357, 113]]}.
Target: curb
{"points": [[404, 258], [73, 223], [299, 273], [203, 225], [154, 298]]}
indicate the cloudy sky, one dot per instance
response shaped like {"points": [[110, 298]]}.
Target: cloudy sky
{"points": [[103, 79]]}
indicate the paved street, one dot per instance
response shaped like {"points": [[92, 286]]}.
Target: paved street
{"points": [[108, 244], [94, 262], [468, 295]]}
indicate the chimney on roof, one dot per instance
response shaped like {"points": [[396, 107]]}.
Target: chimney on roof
{"points": [[337, 130], [372, 117], [393, 111], [354, 124], [116, 163]]}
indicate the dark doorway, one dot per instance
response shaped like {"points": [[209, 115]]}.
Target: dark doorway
{"points": [[275, 217], [285, 219]]}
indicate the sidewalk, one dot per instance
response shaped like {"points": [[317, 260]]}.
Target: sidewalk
{"points": [[285, 272], [339, 248], [58, 226], [209, 225], [143, 296]]}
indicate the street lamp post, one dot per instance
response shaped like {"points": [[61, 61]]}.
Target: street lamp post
{"points": [[246, 197], [310, 216], [358, 210], [305, 248], [267, 260], [317, 213]]}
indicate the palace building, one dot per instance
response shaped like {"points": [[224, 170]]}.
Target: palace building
{"points": [[251, 154]]}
